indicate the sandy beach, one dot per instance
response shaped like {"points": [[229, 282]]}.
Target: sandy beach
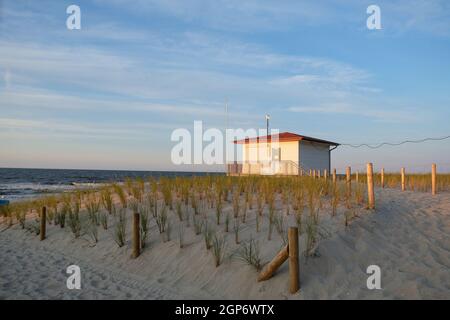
{"points": [[408, 237]]}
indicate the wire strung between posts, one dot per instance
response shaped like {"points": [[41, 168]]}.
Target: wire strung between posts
{"points": [[376, 146]]}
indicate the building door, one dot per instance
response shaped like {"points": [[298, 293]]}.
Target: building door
{"points": [[276, 154]]}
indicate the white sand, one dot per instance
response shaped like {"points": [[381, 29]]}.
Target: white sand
{"points": [[408, 237]]}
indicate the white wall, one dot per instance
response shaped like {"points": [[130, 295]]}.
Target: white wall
{"points": [[289, 151], [253, 152], [314, 155]]}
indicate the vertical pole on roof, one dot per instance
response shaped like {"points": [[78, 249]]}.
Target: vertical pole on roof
{"points": [[226, 140]]}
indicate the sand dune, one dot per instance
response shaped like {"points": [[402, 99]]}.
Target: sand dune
{"points": [[408, 237]]}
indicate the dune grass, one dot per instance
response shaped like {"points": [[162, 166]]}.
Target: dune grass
{"points": [[217, 206]]}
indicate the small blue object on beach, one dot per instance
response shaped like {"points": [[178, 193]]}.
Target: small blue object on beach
{"points": [[4, 202]]}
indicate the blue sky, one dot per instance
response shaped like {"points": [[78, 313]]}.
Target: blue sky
{"points": [[109, 95]]}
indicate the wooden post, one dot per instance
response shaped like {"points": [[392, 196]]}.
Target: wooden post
{"points": [[433, 179], [334, 176], [370, 191], [357, 176], [403, 179], [136, 236], [382, 177], [310, 172], [314, 173], [318, 173], [273, 265], [325, 174], [348, 173], [294, 279], [43, 222]]}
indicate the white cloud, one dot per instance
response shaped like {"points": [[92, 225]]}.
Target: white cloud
{"points": [[52, 126], [259, 16], [426, 16], [7, 79], [378, 114], [235, 15], [135, 79]]}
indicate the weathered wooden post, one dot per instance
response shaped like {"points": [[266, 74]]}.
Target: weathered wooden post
{"points": [[382, 178], [357, 176], [136, 236], [310, 172], [294, 279], [348, 173], [370, 191], [273, 265], [43, 222], [403, 179], [314, 173], [334, 176], [318, 173], [433, 179], [325, 174]]}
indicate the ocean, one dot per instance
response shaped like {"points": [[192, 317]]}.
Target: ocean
{"points": [[18, 184]]}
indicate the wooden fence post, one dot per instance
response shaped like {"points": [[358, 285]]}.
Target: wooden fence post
{"points": [[357, 176], [294, 280], [370, 191], [382, 178], [325, 174], [348, 173], [334, 176], [403, 179], [433, 179], [136, 236], [43, 222]]}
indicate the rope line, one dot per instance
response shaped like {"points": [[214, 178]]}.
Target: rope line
{"points": [[379, 145]]}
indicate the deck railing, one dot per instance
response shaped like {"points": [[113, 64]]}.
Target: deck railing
{"points": [[282, 167]]}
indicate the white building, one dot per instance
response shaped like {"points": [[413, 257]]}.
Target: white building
{"points": [[283, 154]]}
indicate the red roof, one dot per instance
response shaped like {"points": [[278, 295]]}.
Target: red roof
{"points": [[283, 137]]}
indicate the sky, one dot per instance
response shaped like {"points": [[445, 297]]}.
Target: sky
{"points": [[108, 96]]}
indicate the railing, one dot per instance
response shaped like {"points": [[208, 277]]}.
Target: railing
{"points": [[282, 167]]}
